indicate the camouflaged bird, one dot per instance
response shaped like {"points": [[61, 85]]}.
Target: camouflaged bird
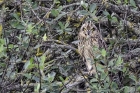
{"points": [[89, 37]]}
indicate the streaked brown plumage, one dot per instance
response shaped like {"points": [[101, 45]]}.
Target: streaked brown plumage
{"points": [[89, 37]]}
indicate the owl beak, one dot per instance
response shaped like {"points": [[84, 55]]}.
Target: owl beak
{"points": [[88, 32]]}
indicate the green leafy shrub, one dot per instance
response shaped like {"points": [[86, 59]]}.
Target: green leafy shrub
{"points": [[38, 46]]}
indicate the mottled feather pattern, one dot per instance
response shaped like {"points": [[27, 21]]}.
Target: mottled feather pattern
{"points": [[89, 37]]}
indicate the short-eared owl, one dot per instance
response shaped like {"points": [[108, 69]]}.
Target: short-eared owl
{"points": [[89, 37]]}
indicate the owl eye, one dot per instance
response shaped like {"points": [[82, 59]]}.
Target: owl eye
{"points": [[93, 29], [84, 29]]}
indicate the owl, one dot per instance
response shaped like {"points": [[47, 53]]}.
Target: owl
{"points": [[89, 37]]}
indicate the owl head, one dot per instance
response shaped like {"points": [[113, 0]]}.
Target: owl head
{"points": [[88, 30]]}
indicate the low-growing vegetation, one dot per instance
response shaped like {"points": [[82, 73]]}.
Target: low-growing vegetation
{"points": [[38, 46]]}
